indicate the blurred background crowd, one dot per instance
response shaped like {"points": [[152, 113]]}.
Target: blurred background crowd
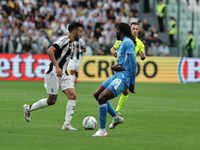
{"points": [[31, 26]]}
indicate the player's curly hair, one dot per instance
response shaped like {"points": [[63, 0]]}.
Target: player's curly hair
{"points": [[126, 30]]}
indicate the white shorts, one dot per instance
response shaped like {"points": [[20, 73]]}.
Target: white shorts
{"points": [[52, 83], [74, 65]]}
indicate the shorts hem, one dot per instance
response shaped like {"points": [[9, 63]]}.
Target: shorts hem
{"points": [[113, 91]]}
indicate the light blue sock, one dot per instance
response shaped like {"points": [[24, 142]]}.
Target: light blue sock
{"points": [[111, 110], [103, 109]]}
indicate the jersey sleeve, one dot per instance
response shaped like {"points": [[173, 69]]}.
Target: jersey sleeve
{"points": [[140, 47], [59, 43], [82, 42], [116, 45]]}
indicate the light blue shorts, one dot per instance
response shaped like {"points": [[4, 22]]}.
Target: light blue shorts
{"points": [[116, 84]]}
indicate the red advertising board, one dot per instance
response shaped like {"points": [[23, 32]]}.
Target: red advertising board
{"points": [[23, 66]]}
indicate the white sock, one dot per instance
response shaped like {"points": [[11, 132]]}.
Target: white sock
{"points": [[102, 129], [69, 111], [39, 104], [115, 117]]}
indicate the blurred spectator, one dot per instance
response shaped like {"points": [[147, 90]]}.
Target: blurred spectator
{"points": [[86, 20], [96, 47], [39, 23], [26, 7], [44, 9], [22, 16], [163, 50], [97, 32], [121, 18], [125, 8], [4, 30], [137, 4], [17, 9], [145, 26], [135, 11], [111, 15], [7, 8], [172, 30], [161, 11], [190, 44], [19, 46], [7, 45], [132, 18], [12, 17], [154, 50], [27, 23], [27, 45], [43, 43], [152, 36], [141, 34], [102, 41], [109, 24]]}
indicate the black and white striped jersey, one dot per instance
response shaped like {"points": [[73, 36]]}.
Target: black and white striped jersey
{"points": [[64, 50], [78, 51]]}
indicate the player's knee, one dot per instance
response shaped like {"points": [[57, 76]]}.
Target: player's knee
{"points": [[126, 92], [101, 99], [72, 96], [52, 99], [96, 95]]}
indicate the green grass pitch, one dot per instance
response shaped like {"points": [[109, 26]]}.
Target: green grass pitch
{"points": [[158, 117]]}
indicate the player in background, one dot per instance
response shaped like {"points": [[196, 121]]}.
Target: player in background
{"points": [[75, 61], [56, 75], [122, 80], [139, 49]]}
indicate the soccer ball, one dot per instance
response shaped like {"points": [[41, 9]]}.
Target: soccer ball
{"points": [[89, 123]]}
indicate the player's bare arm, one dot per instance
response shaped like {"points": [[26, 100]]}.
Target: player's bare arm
{"points": [[50, 53], [84, 50], [132, 88], [117, 68], [113, 52]]}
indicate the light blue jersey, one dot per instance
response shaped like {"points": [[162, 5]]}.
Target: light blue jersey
{"points": [[126, 57]]}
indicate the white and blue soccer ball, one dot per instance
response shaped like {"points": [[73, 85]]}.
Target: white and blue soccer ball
{"points": [[89, 123]]}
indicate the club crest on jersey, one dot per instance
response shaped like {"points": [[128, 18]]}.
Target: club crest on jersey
{"points": [[189, 70]]}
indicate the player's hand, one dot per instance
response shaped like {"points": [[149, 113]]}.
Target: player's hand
{"points": [[142, 55], [59, 72], [84, 50], [117, 68], [131, 88]]}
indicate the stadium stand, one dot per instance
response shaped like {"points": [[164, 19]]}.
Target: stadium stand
{"points": [[30, 26]]}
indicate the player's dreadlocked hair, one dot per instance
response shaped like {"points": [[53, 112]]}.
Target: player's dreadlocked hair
{"points": [[126, 30]]}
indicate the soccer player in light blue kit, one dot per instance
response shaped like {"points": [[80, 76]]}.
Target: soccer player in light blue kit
{"points": [[123, 79]]}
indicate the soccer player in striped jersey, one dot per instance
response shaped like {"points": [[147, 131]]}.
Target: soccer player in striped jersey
{"points": [[139, 49], [56, 75], [75, 61], [122, 80]]}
